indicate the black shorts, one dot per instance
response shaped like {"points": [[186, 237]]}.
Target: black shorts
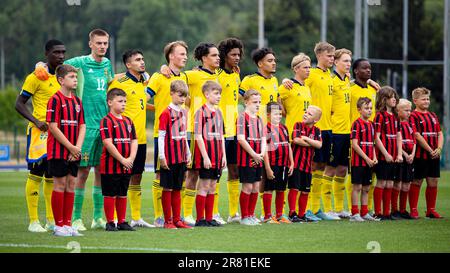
{"points": [[115, 184], [231, 150], [214, 174], [61, 167], [39, 168], [340, 150], [173, 178], [405, 172], [139, 161], [362, 175], [386, 171], [250, 174], [300, 180], [322, 155], [280, 181], [424, 168]]}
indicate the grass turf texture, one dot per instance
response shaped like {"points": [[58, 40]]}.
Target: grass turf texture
{"points": [[423, 235]]}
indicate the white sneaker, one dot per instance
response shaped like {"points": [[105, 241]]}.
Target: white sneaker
{"points": [[219, 219], [141, 223], [78, 225], [344, 214], [50, 225], [72, 231], [356, 218], [190, 221], [98, 224], [333, 215], [369, 217], [35, 226], [247, 222], [61, 231], [234, 219], [255, 221]]}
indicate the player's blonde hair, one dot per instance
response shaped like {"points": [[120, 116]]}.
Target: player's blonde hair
{"points": [[317, 109], [209, 86], [338, 53], [179, 87], [403, 102], [323, 47], [251, 93], [97, 32], [299, 58], [420, 91], [171, 46]]}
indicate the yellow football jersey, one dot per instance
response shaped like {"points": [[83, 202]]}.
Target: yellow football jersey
{"points": [[159, 88], [321, 85], [358, 91], [230, 82], [340, 108], [195, 81], [295, 102], [268, 87], [135, 108], [40, 92]]}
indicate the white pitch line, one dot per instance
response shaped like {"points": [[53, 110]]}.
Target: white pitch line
{"points": [[113, 248]]}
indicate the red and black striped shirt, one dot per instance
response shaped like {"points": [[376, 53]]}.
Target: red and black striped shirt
{"points": [[68, 113], [253, 130], [408, 139], [388, 126], [173, 122], [122, 133], [303, 155], [278, 144], [209, 124], [364, 132], [427, 125]]}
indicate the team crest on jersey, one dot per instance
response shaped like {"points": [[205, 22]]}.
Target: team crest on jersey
{"points": [[275, 87], [43, 135], [433, 120], [129, 128], [285, 131], [77, 108], [106, 72]]}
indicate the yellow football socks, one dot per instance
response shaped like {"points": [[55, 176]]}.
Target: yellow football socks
{"points": [[48, 189], [338, 193], [157, 193], [233, 197], [188, 203], [216, 200], [316, 190], [32, 196], [135, 196], [327, 188]]}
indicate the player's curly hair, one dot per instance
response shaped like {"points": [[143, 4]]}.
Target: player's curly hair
{"points": [[201, 50], [225, 46], [260, 53], [385, 93]]}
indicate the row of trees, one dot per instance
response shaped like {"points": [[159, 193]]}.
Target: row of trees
{"points": [[291, 26]]}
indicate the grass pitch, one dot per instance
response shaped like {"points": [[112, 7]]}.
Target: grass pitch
{"points": [[421, 235]]}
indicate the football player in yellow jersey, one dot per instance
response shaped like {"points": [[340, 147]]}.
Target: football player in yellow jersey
{"points": [[264, 80], [266, 84], [134, 85], [159, 88], [363, 86], [231, 51], [40, 91], [336, 169]]}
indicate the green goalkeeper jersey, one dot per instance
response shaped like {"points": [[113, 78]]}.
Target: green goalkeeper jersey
{"points": [[93, 79]]}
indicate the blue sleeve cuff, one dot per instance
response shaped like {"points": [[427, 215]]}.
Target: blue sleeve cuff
{"points": [[150, 91], [26, 94], [241, 92]]}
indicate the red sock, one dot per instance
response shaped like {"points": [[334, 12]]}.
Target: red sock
{"points": [[414, 192], [166, 201], [377, 198], [200, 201], [431, 195], [355, 209], [364, 210], [121, 208], [58, 207], [267, 203], [209, 207], [403, 200], [252, 203], [387, 194], [302, 203], [279, 203], [68, 208], [292, 200], [244, 199], [176, 206], [394, 200], [109, 204]]}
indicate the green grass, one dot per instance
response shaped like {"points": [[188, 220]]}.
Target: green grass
{"points": [[394, 236]]}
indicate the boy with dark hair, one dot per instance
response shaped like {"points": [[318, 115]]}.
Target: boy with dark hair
{"points": [[119, 152], [67, 129]]}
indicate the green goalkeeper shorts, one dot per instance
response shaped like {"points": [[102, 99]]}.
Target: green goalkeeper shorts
{"points": [[91, 149]]}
